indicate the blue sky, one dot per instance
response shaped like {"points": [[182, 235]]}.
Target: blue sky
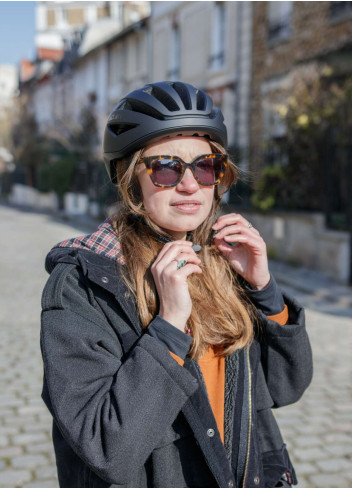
{"points": [[17, 30]]}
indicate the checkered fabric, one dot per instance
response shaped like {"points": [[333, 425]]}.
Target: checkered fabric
{"points": [[103, 242]]}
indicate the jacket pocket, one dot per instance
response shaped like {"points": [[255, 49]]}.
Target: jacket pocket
{"points": [[278, 469]]}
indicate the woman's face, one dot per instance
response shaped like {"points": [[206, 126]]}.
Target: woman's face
{"points": [[184, 207]]}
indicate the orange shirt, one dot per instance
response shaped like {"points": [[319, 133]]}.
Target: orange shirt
{"points": [[213, 370]]}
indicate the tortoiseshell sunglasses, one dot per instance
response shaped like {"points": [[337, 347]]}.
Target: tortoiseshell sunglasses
{"points": [[167, 171]]}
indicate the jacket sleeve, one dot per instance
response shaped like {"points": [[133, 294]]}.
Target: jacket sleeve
{"points": [[111, 410], [286, 355]]}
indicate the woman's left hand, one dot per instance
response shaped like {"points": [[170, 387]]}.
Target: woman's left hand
{"points": [[248, 256]]}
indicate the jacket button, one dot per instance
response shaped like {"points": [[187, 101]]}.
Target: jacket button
{"points": [[256, 480], [230, 484], [105, 280], [210, 432]]}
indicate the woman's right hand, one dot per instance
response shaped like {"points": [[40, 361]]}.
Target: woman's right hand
{"points": [[171, 284]]}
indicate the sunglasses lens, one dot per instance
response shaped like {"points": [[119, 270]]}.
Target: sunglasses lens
{"points": [[208, 170], [166, 171]]}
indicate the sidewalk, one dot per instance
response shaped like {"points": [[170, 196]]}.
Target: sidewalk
{"points": [[329, 295]]}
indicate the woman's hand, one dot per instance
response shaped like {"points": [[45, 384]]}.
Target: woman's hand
{"points": [[171, 283], [248, 255]]}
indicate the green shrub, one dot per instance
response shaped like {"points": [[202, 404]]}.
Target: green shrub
{"points": [[268, 188], [58, 176]]}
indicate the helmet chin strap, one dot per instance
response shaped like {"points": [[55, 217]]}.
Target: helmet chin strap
{"points": [[161, 237]]}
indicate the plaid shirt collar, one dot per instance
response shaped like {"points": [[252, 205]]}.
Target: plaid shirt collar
{"points": [[103, 242]]}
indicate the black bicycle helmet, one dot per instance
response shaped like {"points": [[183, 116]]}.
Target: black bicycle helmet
{"points": [[156, 110]]}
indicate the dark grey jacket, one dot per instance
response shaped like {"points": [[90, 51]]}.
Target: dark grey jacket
{"points": [[126, 414]]}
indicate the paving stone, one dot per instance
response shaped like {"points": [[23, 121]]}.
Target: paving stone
{"points": [[34, 409], [4, 441], [14, 478], [305, 468], [40, 448], [19, 420], [309, 454], [46, 483], [26, 438], [335, 465], [45, 417], [335, 438], [9, 430], [307, 441], [34, 428], [10, 452], [339, 450], [2, 464], [287, 421], [7, 411], [29, 461], [302, 482], [49, 472], [10, 402], [328, 480]]}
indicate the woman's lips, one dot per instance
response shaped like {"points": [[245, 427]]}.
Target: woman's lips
{"points": [[187, 207]]}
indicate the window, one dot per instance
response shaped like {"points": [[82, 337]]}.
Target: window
{"points": [[175, 54], [339, 10], [104, 11], [279, 20], [75, 16], [51, 17], [217, 55]]}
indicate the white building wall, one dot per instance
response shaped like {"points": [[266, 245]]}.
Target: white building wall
{"points": [[42, 101], [128, 66], [101, 91], [229, 84], [195, 22], [143, 55]]}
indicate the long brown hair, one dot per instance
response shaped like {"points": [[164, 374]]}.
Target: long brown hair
{"points": [[221, 316]]}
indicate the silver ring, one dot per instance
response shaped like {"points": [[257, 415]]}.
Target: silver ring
{"points": [[250, 225], [180, 263]]}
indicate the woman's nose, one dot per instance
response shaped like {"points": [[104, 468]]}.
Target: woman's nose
{"points": [[188, 182]]}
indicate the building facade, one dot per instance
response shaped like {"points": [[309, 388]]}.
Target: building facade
{"points": [[208, 44], [291, 38], [8, 92]]}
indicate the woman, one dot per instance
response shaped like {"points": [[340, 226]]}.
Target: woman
{"points": [[166, 341]]}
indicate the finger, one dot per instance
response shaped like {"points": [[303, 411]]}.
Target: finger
{"points": [[225, 220], [175, 253], [188, 258], [236, 228], [251, 241], [182, 273], [229, 229], [172, 248], [233, 218]]}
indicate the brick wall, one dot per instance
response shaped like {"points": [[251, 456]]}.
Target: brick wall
{"points": [[314, 35]]}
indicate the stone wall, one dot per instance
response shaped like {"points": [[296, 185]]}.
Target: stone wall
{"points": [[303, 239]]}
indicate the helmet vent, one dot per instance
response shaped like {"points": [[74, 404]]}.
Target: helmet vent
{"points": [[201, 101], [184, 95], [118, 129], [137, 106], [163, 97]]}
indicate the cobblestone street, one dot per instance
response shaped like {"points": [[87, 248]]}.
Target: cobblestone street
{"points": [[317, 429]]}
